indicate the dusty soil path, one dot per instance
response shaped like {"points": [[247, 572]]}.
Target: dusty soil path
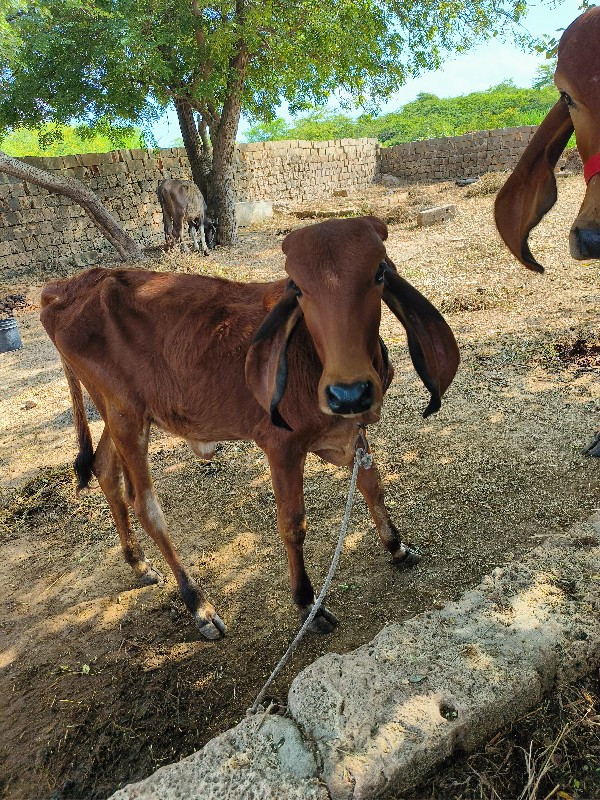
{"points": [[101, 682]]}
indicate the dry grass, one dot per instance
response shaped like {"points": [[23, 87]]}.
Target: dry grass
{"points": [[488, 183], [551, 752]]}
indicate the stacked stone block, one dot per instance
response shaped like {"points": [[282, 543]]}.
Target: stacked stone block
{"points": [[298, 170], [457, 157], [39, 230]]}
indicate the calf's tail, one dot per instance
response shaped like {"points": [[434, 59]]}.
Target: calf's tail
{"points": [[85, 458]]}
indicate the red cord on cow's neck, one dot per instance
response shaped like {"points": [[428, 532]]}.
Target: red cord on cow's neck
{"points": [[591, 167]]}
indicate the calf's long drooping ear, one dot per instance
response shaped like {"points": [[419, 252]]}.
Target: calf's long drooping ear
{"points": [[530, 191], [266, 362], [431, 343]]}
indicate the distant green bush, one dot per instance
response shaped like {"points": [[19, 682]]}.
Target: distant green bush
{"points": [[63, 140], [427, 117]]}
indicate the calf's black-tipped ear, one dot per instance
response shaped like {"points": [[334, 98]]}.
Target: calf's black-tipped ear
{"points": [[530, 191], [266, 361], [431, 343]]}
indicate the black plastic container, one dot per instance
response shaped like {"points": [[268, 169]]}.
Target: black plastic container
{"points": [[9, 335]]}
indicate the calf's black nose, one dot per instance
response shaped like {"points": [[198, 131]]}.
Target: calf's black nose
{"points": [[349, 398], [585, 243]]}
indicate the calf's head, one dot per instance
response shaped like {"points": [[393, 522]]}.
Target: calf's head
{"points": [[530, 191], [339, 274], [210, 233]]}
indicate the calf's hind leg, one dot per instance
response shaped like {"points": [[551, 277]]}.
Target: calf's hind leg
{"points": [[108, 469], [131, 440]]}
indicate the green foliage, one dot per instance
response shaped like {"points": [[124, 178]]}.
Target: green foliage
{"points": [[544, 75], [61, 140], [427, 117], [113, 63]]}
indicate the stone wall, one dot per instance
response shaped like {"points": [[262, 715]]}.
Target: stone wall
{"points": [[39, 230], [298, 170], [458, 156]]}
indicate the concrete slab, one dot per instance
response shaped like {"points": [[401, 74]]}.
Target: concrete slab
{"points": [[262, 758], [381, 718], [248, 213], [384, 715]]}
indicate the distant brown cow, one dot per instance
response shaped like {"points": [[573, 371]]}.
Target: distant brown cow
{"points": [[182, 201], [530, 191], [293, 365]]}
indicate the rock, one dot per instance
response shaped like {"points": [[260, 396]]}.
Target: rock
{"points": [[248, 213], [391, 180], [262, 758], [429, 216], [385, 715]]}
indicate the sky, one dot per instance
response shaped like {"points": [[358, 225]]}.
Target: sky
{"points": [[480, 68]]}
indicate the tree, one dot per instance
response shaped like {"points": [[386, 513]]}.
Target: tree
{"points": [[118, 62]]}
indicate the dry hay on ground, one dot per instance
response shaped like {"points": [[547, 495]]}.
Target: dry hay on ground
{"points": [[101, 682]]}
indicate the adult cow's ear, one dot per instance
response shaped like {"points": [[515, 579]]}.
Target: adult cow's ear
{"points": [[431, 343], [266, 362], [530, 191]]}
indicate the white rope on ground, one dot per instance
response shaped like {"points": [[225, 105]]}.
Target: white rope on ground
{"points": [[362, 458]]}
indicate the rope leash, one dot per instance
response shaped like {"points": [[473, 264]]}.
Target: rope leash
{"points": [[362, 458]]}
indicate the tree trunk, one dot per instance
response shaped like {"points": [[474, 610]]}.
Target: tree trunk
{"points": [[221, 178], [79, 193], [198, 154]]}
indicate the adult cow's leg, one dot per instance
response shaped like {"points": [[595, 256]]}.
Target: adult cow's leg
{"points": [[167, 224], [178, 228], [131, 440], [193, 231], [287, 470], [203, 239], [108, 469], [370, 486]]}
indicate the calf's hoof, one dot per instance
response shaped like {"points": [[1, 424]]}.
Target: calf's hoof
{"points": [[210, 624], [324, 621], [593, 448], [406, 557], [146, 574]]}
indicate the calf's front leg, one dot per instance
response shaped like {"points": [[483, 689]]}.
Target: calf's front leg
{"points": [[287, 472], [371, 488]]}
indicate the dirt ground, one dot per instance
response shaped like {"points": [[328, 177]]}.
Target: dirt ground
{"points": [[102, 682]]}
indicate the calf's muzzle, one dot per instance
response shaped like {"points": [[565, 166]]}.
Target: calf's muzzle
{"points": [[350, 398], [584, 242]]}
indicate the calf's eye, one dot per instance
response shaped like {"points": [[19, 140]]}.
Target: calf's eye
{"points": [[295, 288], [380, 271], [567, 98]]}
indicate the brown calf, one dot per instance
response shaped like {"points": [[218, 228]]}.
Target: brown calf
{"points": [[530, 191], [294, 365]]}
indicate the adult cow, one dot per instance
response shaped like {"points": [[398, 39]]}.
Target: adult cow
{"points": [[530, 191], [183, 202], [294, 365]]}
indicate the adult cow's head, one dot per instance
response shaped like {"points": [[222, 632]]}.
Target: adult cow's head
{"points": [[338, 275], [530, 192]]}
